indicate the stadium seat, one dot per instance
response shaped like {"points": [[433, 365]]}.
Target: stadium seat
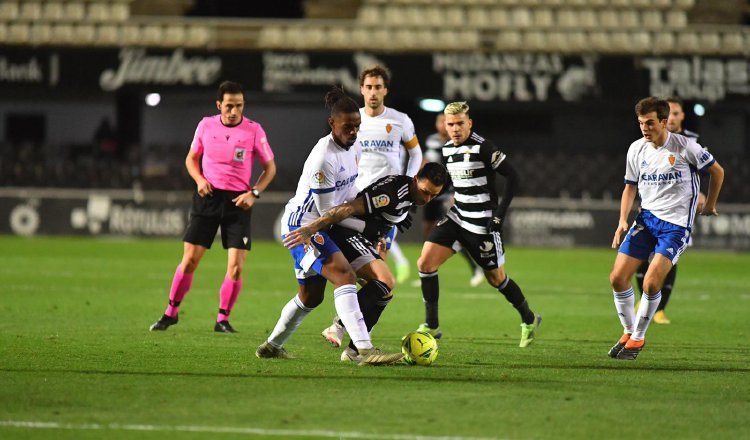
{"points": [[687, 42], [393, 15], [664, 42], [621, 42], [557, 41], [8, 11], [499, 18], [454, 16], [369, 14], [31, 11], [75, 10], [608, 19], [53, 11], [98, 11], [40, 33], [543, 18], [174, 35], [709, 42], [432, 16], [640, 41], [676, 19], [567, 18], [733, 43], [198, 36], [651, 19], [18, 33], [339, 38], [520, 18], [508, 40], [629, 19], [3, 32], [684, 4], [84, 33], [120, 11], [600, 41], [271, 37], [130, 34], [588, 19], [479, 17], [315, 37], [152, 34], [107, 34], [405, 38], [577, 41], [534, 40], [62, 33]]}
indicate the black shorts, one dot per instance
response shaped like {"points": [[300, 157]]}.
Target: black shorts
{"points": [[487, 250], [436, 208], [357, 250], [210, 212]]}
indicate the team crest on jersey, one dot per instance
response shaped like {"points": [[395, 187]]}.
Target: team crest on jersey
{"points": [[239, 154], [319, 177], [319, 239], [671, 160], [381, 200], [388, 128]]}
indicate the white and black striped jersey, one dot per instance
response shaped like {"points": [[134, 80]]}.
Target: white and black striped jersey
{"points": [[472, 166], [388, 199]]}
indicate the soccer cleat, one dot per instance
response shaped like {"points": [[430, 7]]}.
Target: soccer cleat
{"points": [[615, 350], [528, 331], [478, 278], [631, 350], [350, 355], [268, 351], [164, 322], [224, 327], [435, 332], [376, 356], [402, 273], [334, 334], [661, 318]]}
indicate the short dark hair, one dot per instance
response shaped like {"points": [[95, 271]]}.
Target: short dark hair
{"points": [[339, 102], [434, 172], [676, 100], [376, 70], [653, 104], [230, 87]]}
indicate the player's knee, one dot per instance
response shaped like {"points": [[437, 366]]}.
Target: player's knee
{"points": [[651, 284], [234, 272], [189, 263], [311, 299], [424, 265], [389, 280], [343, 275], [618, 281]]}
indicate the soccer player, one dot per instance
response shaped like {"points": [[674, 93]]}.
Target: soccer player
{"points": [[475, 221], [384, 130], [674, 124], [327, 180], [663, 167], [220, 161], [438, 207], [385, 204]]}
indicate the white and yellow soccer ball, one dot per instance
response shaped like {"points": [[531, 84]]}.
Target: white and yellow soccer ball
{"points": [[419, 348]]}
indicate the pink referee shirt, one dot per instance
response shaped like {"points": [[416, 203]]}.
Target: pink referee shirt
{"points": [[228, 151]]}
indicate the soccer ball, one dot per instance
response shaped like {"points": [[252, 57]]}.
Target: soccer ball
{"points": [[419, 348]]}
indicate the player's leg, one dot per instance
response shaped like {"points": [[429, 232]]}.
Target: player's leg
{"points": [[440, 246], [309, 296], [660, 316], [624, 297], [230, 289], [640, 273], [182, 280]]}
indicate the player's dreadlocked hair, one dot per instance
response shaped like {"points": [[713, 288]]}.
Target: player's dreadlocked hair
{"points": [[339, 102], [653, 104]]}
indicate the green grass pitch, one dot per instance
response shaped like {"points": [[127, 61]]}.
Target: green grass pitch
{"points": [[77, 360]]}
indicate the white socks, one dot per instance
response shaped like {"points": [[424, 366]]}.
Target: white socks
{"points": [[624, 303], [291, 317], [646, 311], [347, 307]]}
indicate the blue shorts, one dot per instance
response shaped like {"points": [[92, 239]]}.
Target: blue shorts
{"points": [[308, 260], [390, 237], [650, 234]]}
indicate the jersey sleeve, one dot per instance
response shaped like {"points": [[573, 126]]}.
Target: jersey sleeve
{"points": [[321, 178], [491, 154], [197, 145], [631, 167], [262, 149], [408, 131], [382, 195], [698, 156]]}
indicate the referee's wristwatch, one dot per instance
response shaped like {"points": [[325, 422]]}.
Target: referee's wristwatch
{"points": [[255, 192]]}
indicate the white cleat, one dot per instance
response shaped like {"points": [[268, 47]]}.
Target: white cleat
{"points": [[350, 355], [334, 334], [478, 278]]}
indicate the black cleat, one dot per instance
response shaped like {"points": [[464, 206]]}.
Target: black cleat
{"points": [[617, 348], [224, 327], [164, 322]]}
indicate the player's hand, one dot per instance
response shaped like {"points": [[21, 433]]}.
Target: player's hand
{"points": [[375, 229], [404, 224], [298, 237], [495, 224], [244, 200], [708, 211], [205, 188], [621, 228]]}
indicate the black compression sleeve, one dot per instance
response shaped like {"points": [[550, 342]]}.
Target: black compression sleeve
{"points": [[512, 184]]}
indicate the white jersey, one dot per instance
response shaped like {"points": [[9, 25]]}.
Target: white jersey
{"points": [[380, 138], [329, 174], [667, 177]]}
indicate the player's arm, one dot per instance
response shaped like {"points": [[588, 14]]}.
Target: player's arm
{"points": [[332, 216], [193, 165], [626, 204], [415, 156], [512, 184], [714, 187]]}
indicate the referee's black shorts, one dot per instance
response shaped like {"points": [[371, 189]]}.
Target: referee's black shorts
{"points": [[210, 212]]}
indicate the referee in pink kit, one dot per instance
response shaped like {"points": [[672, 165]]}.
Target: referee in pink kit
{"points": [[220, 161]]}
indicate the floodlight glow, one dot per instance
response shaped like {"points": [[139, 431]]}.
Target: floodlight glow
{"points": [[153, 99], [432, 105], [699, 110]]}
